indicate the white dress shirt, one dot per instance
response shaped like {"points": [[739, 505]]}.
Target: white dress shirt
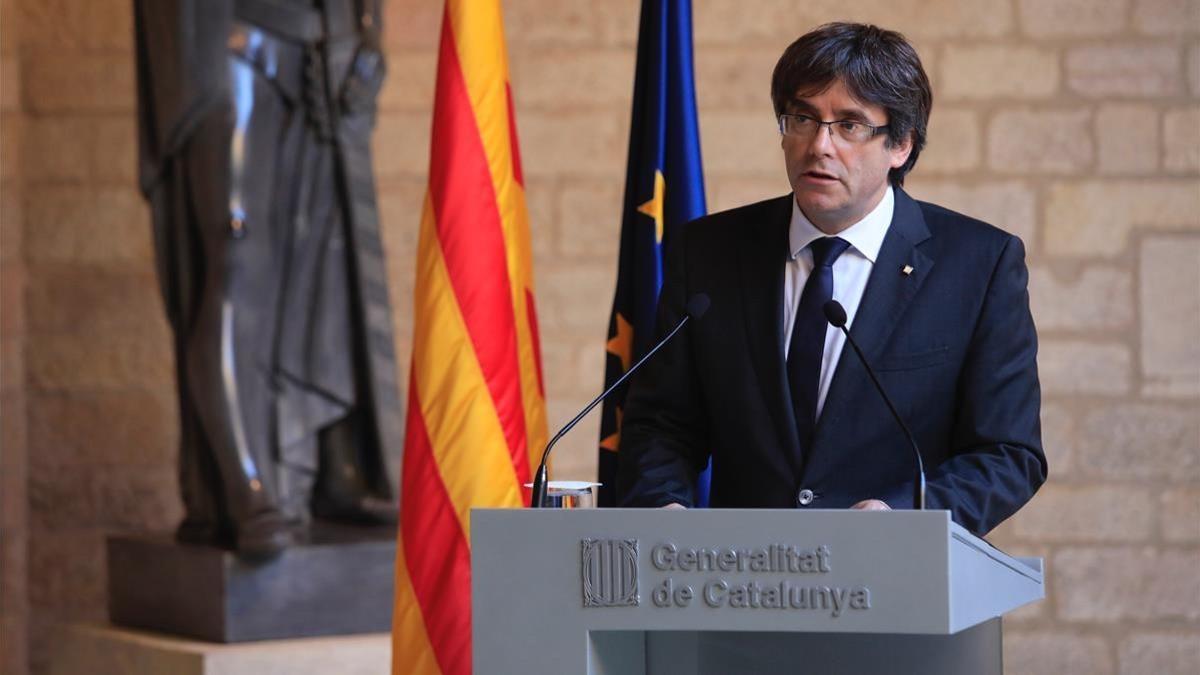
{"points": [[850, 273]]}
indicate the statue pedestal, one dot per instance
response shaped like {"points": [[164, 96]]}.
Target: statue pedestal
{"points": [[105, 650], [337, 582]]}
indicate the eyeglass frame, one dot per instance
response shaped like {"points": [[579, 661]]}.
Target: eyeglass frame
{"points": [[875, 129]]}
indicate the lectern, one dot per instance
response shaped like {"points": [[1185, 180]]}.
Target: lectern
{"points": [[645, 591]]}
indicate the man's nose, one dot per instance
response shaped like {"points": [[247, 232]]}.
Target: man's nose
{"points": [[821, 142]]}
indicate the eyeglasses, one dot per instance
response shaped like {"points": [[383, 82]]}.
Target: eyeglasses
{"points": [[805, 127]]}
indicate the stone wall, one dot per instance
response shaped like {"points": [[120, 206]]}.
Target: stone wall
{"points": [[1073, 123]]}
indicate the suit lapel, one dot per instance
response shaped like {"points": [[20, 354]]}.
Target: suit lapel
{"points": [[887, 295], [762, 261]]}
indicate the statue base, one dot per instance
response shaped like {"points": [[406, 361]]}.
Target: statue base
{"points": [[338, 581]]}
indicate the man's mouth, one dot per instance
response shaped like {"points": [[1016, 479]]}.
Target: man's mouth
{"points": [[819, 175]]}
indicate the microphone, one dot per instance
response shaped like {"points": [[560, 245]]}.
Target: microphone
{"points": [[835, 314], [696, 307]]}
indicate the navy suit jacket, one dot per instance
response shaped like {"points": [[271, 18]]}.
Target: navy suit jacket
{"points": [[953, 343]]}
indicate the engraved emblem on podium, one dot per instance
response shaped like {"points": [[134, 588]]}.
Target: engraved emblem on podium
{"points": [[609, 571]]}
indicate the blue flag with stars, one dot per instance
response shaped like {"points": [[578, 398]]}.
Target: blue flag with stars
{"points": [[664, 187]]}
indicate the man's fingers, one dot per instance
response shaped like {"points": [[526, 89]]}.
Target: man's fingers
{"points": [[871, 505]]}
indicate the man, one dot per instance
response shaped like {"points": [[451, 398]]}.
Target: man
{"points": [[936, 300]]}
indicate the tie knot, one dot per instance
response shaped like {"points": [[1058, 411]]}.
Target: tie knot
{"points": [[827, 249]]}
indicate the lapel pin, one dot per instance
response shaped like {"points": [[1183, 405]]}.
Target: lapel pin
{"points": [[906, 270]]}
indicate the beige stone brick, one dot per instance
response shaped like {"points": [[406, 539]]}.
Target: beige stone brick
{"points": [[1071, 18], [410, 83], [729, 191], [1095, 297], [14, 460], [78, 223], [1140, 441], [1181, 139], [1040, 141], [10, 82], [128, 427], [575, 456], [67, 568], [12, 370], [1170, 302], [1042, 652], [570, 22], [11, 224], [13, 129], [541, 200], [1128, 139], [1133, 69], [113, 150], [1167, 17], [1176, 653], [63, 81], [65, 361], [412, 25], [93, 300], [1123, 583], [953, 142], [62, 497], [1060, 434], [1069, 367], [574, 298], [1095, 217], [1193, 74], [56, 149], [591, 219], [734, 76], [146, 499], [65, 24], [1007, 204], [574, 143], [13, 309], [401, 145], [1180, 515], [741, 143], [573, 78], [1111, 512], [999, 71]]}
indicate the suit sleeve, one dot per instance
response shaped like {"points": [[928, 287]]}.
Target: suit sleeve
{"points": [[996, 462], [663, 431]]}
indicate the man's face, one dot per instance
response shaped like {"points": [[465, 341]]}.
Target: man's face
{"points": [[837, 182]]}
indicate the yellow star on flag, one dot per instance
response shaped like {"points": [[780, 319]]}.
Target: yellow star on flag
{"points": [[621, 344], [654, 207]]}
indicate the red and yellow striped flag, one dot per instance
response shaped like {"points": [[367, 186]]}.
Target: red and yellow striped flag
{"points": [[476, 413]]}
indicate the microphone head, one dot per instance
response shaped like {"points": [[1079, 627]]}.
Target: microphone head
{"points": [[698, 305], [835, 313]]}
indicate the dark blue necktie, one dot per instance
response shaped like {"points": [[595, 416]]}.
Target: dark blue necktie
{"points": [[808, 336]]}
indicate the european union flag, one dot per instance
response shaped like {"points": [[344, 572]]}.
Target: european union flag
{"points": [[664, 187]]}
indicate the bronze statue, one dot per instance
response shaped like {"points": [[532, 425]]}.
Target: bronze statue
{"points": [[255, 121]]}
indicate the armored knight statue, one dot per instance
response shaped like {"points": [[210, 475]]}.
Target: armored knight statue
{"points": [[255, 121]]}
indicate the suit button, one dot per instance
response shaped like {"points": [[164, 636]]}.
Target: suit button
{"points": [[805, 497]]}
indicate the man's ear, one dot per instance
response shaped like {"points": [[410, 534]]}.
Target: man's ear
{"points": [[900, 152]]}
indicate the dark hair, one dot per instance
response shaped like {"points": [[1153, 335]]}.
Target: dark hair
{"points": [[877, 66]]}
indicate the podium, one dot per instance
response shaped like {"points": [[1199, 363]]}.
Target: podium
{"points": [[646, 591]]}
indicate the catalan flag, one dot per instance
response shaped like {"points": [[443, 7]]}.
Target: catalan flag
{"points": [[476, 416], [664, 188]]}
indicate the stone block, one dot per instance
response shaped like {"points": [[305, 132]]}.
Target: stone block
{"points": [[1181, 140], [734, 77], [1041, 652], [104, 650], [401, 205], [1167, 17], [555, 79], [10, 74], [66, 570], [112, 150], [1073, 367], [1170, 302], [119, 427], [1071, 18], [545, 221], [1116, 584], [1145, 70], [570, 22], [953, 142], [14, 633], [591, 220], [411, 80], [574, 143], [1180, 515], [412, 25], [1095, 217], [12, 246], [1060, 434], [1012, 71], [142, 498], [1007, 204], [1095, 513], [71, 81], [102, 24], [569, 295], [13, 130], [1140, 441], [1022, 141], [1176, 653], [741, 143], [131, 360], [62, 497], [13, 309], [1193, 67], [1095, 297], [93, 299], [13, 461], [1128, 139], [76, 223], [401, 145]]}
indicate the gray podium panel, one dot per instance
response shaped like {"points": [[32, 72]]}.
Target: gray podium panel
{"points": [[621, 590]]}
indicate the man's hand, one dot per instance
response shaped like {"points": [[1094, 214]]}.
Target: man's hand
{"points": [[676, 506], [871, 505]]}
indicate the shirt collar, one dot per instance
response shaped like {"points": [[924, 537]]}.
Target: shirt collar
{"points": [[865, 236]]}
